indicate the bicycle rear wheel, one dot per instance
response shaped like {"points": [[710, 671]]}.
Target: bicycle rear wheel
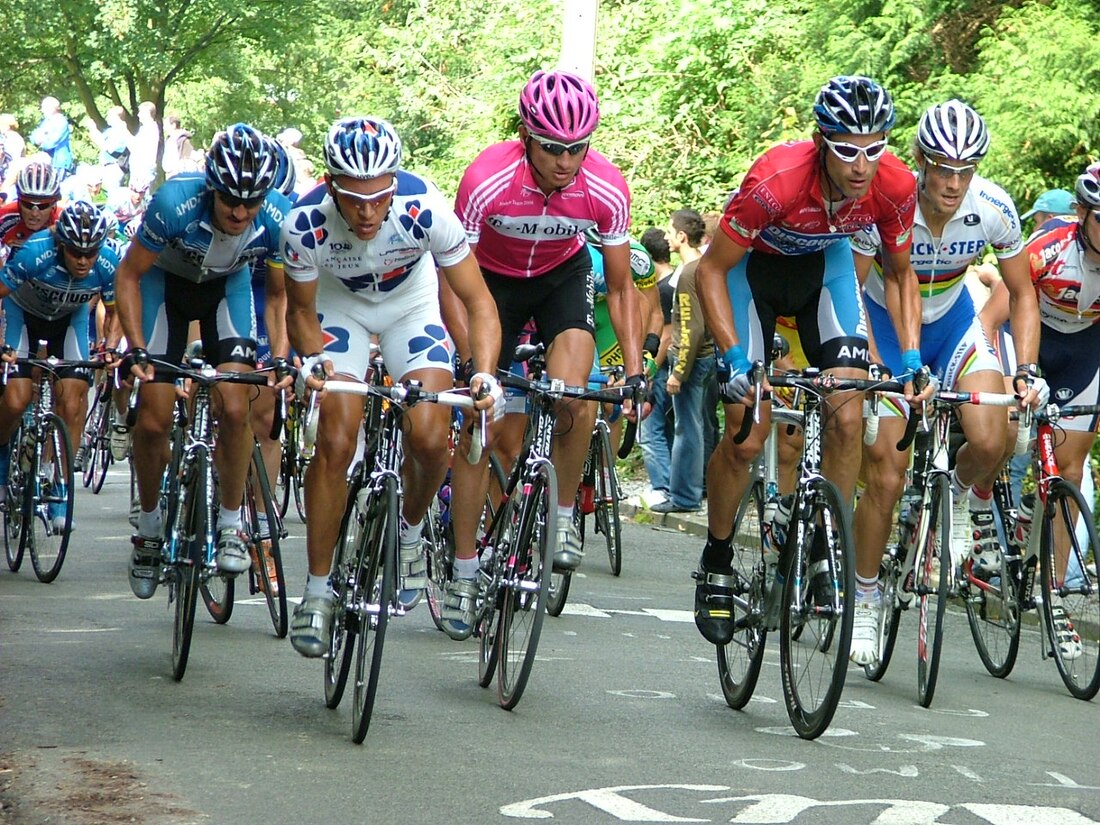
{"points": [[607, 501], [14, 505], [814, 666], [52, 517], [526, 585], [993, 607], [1075, 638], [188, 536], [341, 643], [932, 575], [739, 661], [374, 593]]}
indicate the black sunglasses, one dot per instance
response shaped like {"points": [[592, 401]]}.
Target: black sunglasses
{"points": [[232, 201], [37, 206], [83, 252], [556, 148]]}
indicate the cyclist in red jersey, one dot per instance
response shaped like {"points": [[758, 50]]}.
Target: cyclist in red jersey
{"points": [[783, 251], [526, 205], [38, 189]]}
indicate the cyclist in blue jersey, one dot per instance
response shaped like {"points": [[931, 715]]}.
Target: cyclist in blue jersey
{"points": [[191, 261], [47, 288]]}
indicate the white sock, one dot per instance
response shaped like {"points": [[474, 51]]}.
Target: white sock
{"points": [[410, 533], [150, 525], [565, 513], [467, 568], [977, 502], [867, 589], [318, 587], [229, 518], [957, 487]]}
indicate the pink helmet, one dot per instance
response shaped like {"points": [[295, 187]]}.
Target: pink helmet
{"points": [[560, 106]]}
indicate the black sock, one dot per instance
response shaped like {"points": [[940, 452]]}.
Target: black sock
{"points": [[718, 554]]}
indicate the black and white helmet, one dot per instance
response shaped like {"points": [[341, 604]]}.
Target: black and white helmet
{"points": [[38, 180], [240, 163], [1088, 187], [81, 225], [953, 130], [362, 148], [853, 105]]}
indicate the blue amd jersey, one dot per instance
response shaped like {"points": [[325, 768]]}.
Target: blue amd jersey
{"points": [[41, 285], [178, 225]]}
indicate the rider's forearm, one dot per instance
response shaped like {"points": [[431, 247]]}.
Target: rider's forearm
{"points": [[622, 306], [484, 335]]}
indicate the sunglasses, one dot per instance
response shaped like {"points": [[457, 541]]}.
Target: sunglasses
{"points": [[37, 206], [557, 149], [849, 152], [232, 201], [946, 171], [83, 253], [373, 199]]}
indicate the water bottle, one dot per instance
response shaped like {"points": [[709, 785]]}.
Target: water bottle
{"points": [[588, 498], [1023, 520]]}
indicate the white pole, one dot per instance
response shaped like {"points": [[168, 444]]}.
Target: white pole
{"points": [[578, 37]]}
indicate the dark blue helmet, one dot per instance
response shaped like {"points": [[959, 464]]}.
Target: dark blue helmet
{"points": [[853, 105], [81, 225]]}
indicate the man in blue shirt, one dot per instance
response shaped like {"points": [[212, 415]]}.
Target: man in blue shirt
{"points": [[191, 261], [47, 289]]}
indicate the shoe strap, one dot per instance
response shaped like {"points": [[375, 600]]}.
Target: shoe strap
{"points": [[713, 579]]}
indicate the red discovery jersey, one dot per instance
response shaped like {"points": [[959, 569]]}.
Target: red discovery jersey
{"points": [[13, 232], [780, 207]]}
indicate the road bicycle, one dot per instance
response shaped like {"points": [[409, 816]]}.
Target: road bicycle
{"points": [[517, 547], [38, 509], [803, 586], [188, 504], [297, 451], [95, 441], [917, 568], [1053, 530], [364, 577]]}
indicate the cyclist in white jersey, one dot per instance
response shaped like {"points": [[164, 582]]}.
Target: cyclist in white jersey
{"points": [[358, 254], [958, 215]]}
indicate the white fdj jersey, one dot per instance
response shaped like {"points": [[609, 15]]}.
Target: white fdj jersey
{"points": [[386, 286], [986, 216]]}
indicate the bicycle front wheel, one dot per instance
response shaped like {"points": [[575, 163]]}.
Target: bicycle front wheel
{"points": [[265, 528], [932, 576], [817, 598], [189, 539], [14, 506], [52, 516], [739, 661], [374, 593], [526, 585], [993, 607], [607, 502], [1071, 605], [217, 594]]}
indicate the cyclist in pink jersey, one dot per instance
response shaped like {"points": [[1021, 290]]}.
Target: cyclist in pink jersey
{"points": [[783, 251], [525, 205]]}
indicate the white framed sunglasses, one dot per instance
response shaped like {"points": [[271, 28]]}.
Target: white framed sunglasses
{"points": [[849, 152], [947, 171], [367, 200]]}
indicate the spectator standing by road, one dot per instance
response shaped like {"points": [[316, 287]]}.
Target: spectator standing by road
{"points": [[691, 367], [144, 146], [656, 429], [52, 136], [114, 146]]}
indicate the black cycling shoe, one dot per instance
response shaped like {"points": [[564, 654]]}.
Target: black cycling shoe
{"points": [[714, 605]]}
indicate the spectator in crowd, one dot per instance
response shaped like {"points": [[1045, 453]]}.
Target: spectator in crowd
{"points": [[1051, 204], [145, 145], [14, 144], [86, 184], [179, 152], [691, 367], [114, 146], [656, 430], [710, 221], [304, 173], [52, 136]]}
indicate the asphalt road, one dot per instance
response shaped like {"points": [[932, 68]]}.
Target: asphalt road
{"points": [[623, 719]]}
